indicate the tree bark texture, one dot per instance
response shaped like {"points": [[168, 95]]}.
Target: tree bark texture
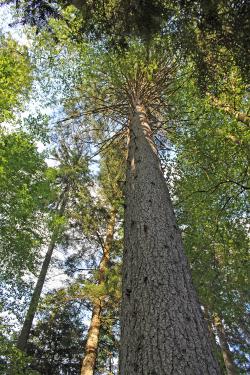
{"points": [[22, 340], [162, 328], [91, 348], [227, 355]]}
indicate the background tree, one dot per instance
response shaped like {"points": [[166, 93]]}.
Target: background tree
{"points": [[71, 172], [111, 172]]}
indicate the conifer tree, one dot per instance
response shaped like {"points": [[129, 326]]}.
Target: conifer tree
{"points": [[159, 302], [72, 170], [129, 90]]}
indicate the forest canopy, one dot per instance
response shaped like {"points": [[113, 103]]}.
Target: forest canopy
{"points": [[124, 187]]}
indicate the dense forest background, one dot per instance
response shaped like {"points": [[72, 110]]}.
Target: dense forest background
{"points": [[93, 96]]}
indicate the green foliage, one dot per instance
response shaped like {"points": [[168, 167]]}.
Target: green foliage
{"points": [[108, 347], [12, 360], [57, 339], [24, 196], [113, 285], [214, 34], [112, 176], [93, 291], [57, 223], [37, 127], [109, 290], [116, 81], [15, 77]]}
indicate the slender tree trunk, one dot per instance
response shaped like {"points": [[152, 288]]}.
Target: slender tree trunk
{"points": [[211, 331], [227, 355], [25, 332], [162, 328], [89, 361]]}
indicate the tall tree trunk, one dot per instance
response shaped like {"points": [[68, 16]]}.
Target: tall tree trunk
{"points": [[227, 355], [25, 331], [89, 361], [162, 328]]}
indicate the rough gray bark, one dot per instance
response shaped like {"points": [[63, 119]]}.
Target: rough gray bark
{"points": [[227, 355], [22, 340], [162, 328], [89, 361]]}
